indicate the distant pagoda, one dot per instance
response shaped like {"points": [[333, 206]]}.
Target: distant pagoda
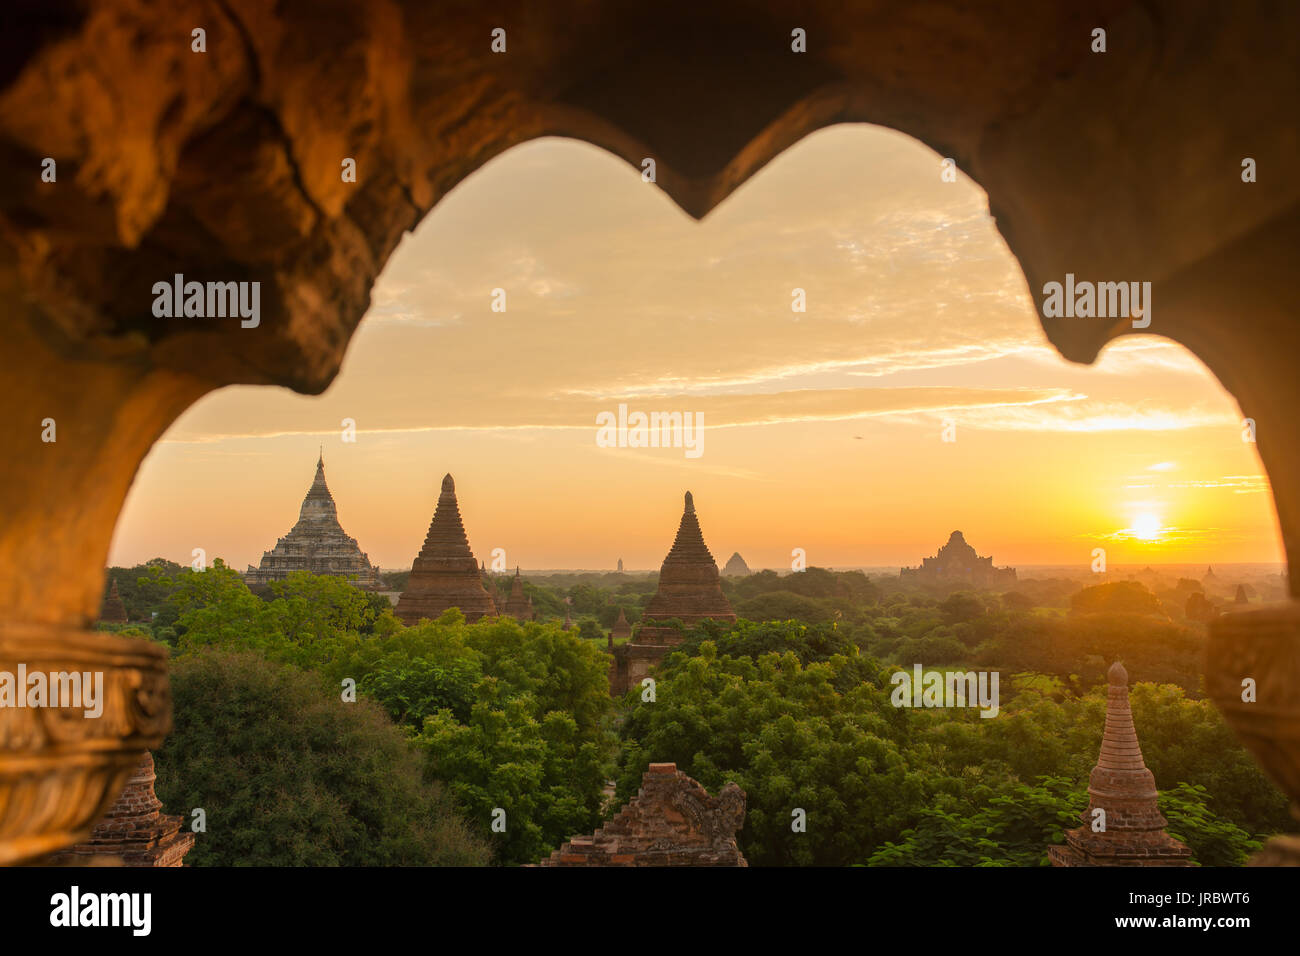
{"points": [[689, 591], [622, 629], [445, 574], [317, 543], [113, 611], [736, 566], [517, 605], [957, 565], [1123, 787]]}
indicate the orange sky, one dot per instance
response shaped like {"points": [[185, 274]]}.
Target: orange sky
{"points": [[822, 430]]}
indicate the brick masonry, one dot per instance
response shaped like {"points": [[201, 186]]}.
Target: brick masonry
{"points": [[134, 832], [672, 821], [1125, 789]]}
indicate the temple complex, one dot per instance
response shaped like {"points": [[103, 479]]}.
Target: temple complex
{"points": [[672, 821], [689, 591], [134, 831], [445, 574], [517, 605], [957, 565], [736, 566], [317, 543], [113, 611], [1121, 786]]}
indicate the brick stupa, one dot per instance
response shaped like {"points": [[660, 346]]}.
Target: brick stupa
{"points": [[113, 611], [445, 574], [622, 629], [134, 832], [690, 590], [317, 543], [517, 605], [672, 821], [1125, 789]]}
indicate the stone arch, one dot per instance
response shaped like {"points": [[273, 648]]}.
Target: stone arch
{"points": [[226, 165]]}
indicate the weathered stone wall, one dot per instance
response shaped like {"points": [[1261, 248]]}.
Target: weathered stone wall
{"points": [[672, 821]]}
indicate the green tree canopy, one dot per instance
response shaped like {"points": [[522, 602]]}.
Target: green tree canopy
{"points": [[289, 774]]}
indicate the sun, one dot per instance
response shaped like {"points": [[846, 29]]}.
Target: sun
{"points": [[1146, 527]]}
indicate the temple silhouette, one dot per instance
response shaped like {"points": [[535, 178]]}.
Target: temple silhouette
{"points": [[957, 565]]}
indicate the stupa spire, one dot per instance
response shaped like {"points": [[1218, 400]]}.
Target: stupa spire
{"points": [[316, 543], [518, 605], [1129, 830], [445, 574], [621, 628], [689, 584]]}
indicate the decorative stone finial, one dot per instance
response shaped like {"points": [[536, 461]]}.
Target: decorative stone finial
{"points": [[448, 484], [1117, 675], [690, 504]]}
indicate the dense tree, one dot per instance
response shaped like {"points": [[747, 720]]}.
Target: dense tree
{"points": [[798, 746], [809, 642], [1116, 597], [290, 775], [1016, 827], [516, 717]]}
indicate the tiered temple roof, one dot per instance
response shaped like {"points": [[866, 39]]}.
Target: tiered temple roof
{"points": [[690, 590], [1122, 787], [445, 574], [736, 566], [957, 564], [689, 587], [317, 543]]}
